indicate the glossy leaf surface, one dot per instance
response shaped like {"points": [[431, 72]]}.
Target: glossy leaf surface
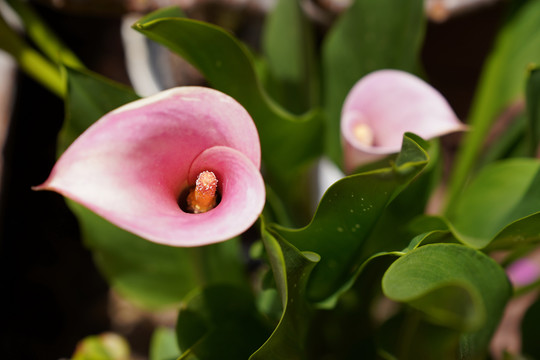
{"points": [[454, 286], [346, 216]]}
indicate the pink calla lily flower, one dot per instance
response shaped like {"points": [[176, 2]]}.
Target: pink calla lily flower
{"points": [[384, 105], [132, 166], [523, 272]]}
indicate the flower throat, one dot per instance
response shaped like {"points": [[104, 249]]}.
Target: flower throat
{"points": [[202, 197]]}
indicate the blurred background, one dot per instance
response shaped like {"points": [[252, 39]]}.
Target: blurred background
{"points": [[52, 294]]}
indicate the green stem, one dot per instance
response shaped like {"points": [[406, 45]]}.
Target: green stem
{"points": [[197, 257], [43, 37], [30, 61]]}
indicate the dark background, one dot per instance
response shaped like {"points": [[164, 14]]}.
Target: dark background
{"points": [[52, 295]]}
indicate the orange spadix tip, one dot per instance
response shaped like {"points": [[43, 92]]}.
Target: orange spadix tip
{"points": [[203, 196]]}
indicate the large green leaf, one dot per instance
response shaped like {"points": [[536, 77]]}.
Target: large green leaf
{"points": [[369, 36], [346, 216], [291, 270], [501, 194], [392, 231], [289, 48], [502, 81], [522, 232], [408, 336], [220, 322], [455, 286], [287, 141], [152, 275], [500, 209], [533, 110]]}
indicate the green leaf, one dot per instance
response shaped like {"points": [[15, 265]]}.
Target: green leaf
{"points": [[166, 12], [152, 275], [533, 110], [502, 82], [408, 336], [107, 346], [30, 61], [291, 270], [369, 36], [163, 345], [89, 97], [346, 216], [455, 286], [518, 233], [287, 141], [501, 194], [392, 231], [221, 322], [511, 143], [289, 48], [43, 36]]}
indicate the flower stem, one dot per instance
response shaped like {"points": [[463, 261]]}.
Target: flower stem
{"points": [[30, 61], [43, 37]]}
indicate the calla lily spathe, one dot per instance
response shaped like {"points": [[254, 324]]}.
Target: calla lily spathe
{"points": [[384, 105], [132, 165]]}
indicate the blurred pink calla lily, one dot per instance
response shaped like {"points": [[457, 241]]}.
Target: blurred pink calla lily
{"points": [[133, 164], [384, 105]]}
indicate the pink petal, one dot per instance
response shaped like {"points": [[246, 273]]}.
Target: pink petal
{"points": [[390, 103], [132, 165]]}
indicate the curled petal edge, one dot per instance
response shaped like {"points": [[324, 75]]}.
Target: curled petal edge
{"points": [[390, 103]]}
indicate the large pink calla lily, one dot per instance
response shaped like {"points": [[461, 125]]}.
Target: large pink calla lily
{"points": [[384, 105], [134, 163]]}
